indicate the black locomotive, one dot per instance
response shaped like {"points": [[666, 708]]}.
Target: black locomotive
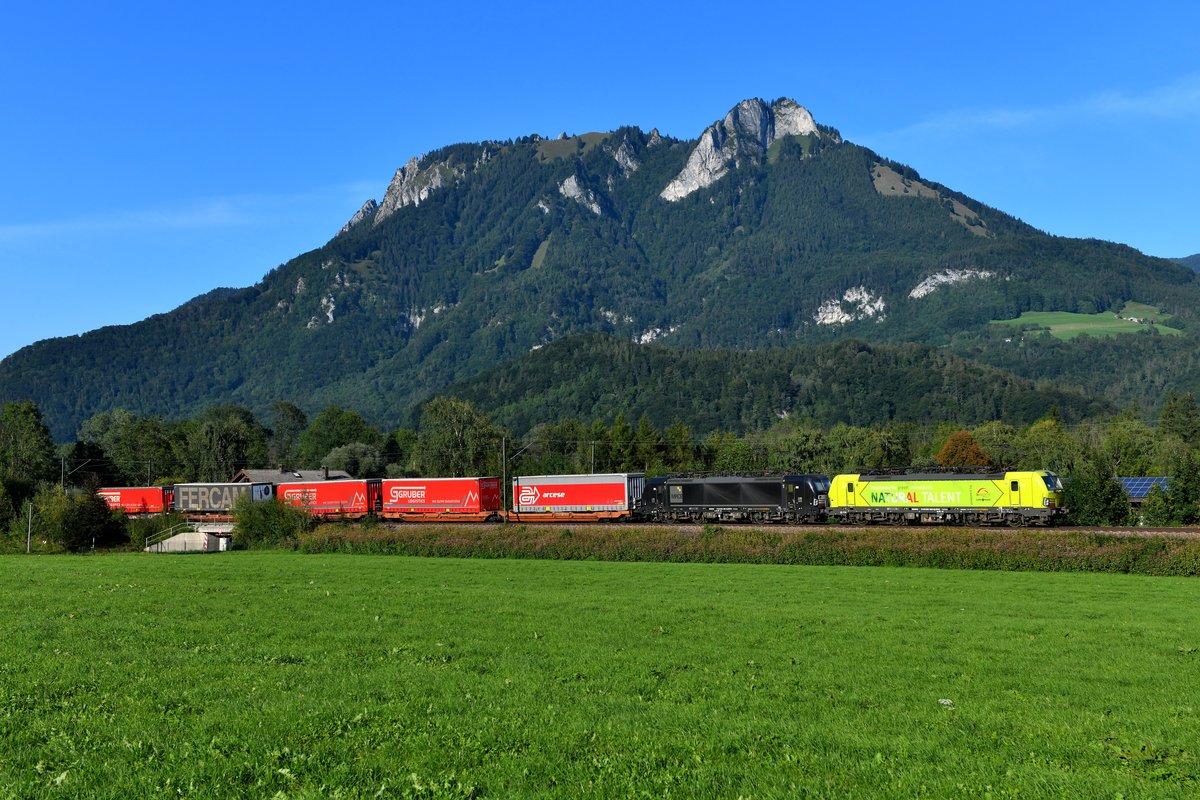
{"points": [[728, 498]]}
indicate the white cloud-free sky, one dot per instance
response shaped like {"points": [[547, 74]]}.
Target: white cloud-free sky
{"points": [[152, 152]]}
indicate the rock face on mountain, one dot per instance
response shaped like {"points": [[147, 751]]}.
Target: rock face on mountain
{"points": [[479, 253], [411, 184], [747, 131], [366, 212], [625, 158], [570, 188]]}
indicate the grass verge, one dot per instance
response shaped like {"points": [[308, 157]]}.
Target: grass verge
{"points": [[275, 674], [958, 548]]}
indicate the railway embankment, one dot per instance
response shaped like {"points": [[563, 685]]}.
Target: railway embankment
{"points": [[1035, 550]]}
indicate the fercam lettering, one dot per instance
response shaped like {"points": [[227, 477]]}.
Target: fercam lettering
{"points": [[209, 498]]}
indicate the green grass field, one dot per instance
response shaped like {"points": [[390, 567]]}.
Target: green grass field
{"points": [[1065, 325], [276, 674]]}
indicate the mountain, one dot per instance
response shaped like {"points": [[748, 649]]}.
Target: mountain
{"points": [[1193, 262], [769, 230]]}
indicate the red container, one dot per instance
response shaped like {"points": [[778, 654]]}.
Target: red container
{"points": [[432, 498], [137, 499], [610, 496], [350, 499]]}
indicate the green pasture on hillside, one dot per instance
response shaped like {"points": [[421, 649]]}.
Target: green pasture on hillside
{"points": [[276, 674], [1065, 325]]}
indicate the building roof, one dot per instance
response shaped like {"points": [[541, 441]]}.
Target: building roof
{"points": [[1139, 488], [281, 475]]}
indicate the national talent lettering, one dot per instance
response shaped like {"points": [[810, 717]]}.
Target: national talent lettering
{"points": [[915, 498]]}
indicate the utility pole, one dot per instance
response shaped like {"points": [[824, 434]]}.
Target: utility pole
{"points": [[86, 461], [29, 531], [504, 458]]}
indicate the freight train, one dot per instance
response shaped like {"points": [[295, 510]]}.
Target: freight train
{"points": [[1007, 498]]}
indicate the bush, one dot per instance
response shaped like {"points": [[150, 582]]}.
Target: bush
{"points": [[953, 548], [1095, 498], [8, 513], [267, 523], [74, 521], [142, 528]]}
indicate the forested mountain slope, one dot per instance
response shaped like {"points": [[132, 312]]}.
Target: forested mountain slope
{"points": [[596, 376], [769, 230]]}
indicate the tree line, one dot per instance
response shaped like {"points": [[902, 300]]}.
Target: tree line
{"points": [[454, 437]]}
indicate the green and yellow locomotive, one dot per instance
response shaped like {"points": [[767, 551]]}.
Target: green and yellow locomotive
{"points": [[999, 498]]}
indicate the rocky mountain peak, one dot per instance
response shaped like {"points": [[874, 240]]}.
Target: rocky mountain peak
{"points": [[746, 132], [367, 211], [412, 184]]}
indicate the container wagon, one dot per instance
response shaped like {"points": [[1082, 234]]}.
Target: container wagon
{"points": [[137, 500], [215, 501], [730, 498], [565, 498], [451, 499], [1000, 498], [338, 499]]}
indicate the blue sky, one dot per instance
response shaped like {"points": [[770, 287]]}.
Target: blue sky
{"points": [[150, 152]]}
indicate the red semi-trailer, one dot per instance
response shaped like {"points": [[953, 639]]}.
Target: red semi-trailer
{"points": [[458, 499], [134, 500], [346, 499], [554, 498]]}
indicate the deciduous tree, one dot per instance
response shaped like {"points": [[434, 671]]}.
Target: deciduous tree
{"points": [[141, 449], [222, 441], [332, 428], [961, 450], [288, 422], [456, 439], [357, 459], [26, 448]]}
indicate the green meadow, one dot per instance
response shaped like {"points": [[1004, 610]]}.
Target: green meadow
{"points": [[1065, 325], [278, 674]]}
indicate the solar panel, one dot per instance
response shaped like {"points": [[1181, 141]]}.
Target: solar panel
{"points": [[1139, 488]]}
